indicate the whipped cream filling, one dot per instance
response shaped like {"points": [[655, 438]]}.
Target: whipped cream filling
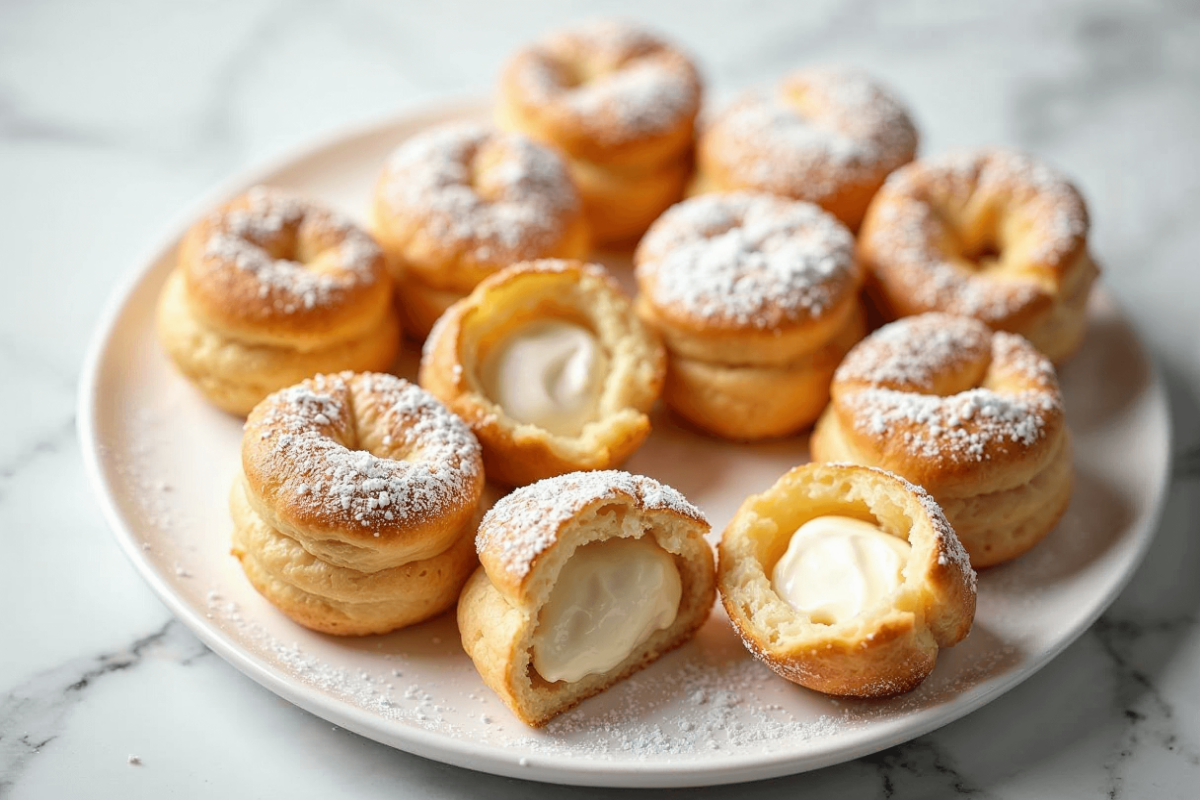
{"points": [[609, 598], [550, 374], [835, 567]]}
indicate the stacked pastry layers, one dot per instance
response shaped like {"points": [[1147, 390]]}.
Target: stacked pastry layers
{"points": [[356, 509], [756, 298], [621, 104], [974, 417]]}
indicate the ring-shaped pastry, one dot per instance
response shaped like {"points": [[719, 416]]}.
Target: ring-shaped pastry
{"points": [[990, 234], [621, 103], [367, 471], [555, 551], [756, 298], [270, 289], [550, 367], [826, 136], [973, 416], [890, 642], [459, 202]]}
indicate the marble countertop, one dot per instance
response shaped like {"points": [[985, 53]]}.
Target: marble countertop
{"points": [[115, 117]]}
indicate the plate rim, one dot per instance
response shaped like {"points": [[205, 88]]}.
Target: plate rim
{"points": [[491, 758]]}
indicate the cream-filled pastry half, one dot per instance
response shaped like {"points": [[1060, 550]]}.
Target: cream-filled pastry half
{"points": [[549, 374], [610, 597], [584, 579], [846, 580], [550, 366], [835, 567]]}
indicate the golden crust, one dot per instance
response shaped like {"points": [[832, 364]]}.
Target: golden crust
{"points": [[621, 104], [459, 202], [975, 417], [235, 375], [269, 289], [825, 136], [886, 650], [605, 92], [367, 471], [516, 453], [750, 402], [342, 601], [990, 234], [525, 541]]}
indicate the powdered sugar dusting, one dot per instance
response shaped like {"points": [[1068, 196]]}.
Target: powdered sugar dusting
{"points": [[305, 437], [747, 260], [907, 235], [912, 352], [261, 234], [964, 427], [823, 129], [525, 523], [636, 85], [496, 197]]}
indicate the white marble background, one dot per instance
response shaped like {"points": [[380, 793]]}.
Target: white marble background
{"points": [[115, 116]]}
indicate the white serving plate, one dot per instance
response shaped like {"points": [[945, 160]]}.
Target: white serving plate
{"points": [[161, 461]]}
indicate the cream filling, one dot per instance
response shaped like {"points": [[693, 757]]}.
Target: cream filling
{"points": [[609, 598], [550, 374], [835, 567]]}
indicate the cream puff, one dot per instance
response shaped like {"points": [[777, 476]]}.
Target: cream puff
{"points": [[757, 300], [584, 579], [357, 504], [846, 580], [826, 136], [621, 103], [990, 234], [973, 416], [270, 289], [460, 201], [550, 367]]}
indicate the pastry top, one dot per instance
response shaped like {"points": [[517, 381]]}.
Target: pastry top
{"points": [[462, 200], [885, 649], [604, 91], [271, 267], [366, 459], [818, 131], [950, 404], [992, 234], [525, 526], [758, 264]]}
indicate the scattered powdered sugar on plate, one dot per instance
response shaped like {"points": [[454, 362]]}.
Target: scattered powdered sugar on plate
{"points": [[429, 462], [522, 525], [747, 260], [498, 197], [260, 236]]}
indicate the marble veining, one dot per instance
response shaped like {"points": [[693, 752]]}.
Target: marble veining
{"points": [[114, 118]]}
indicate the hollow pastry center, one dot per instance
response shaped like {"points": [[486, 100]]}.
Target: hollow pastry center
{"points": [[610, 597], [835, 567], [549, 374]]}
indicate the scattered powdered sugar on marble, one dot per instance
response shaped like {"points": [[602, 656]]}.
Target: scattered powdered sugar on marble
{"points": [[844, 129], [747, 259], [637, 86], [250, 239], [434, 177], [905, 238], [327, 476], [525, 523], [912, 352]]}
